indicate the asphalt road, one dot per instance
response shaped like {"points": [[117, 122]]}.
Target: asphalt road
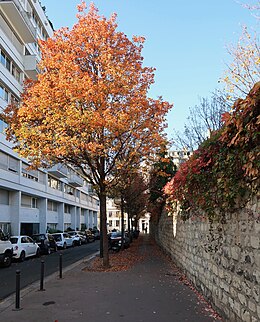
{"points": [[31, 268]]}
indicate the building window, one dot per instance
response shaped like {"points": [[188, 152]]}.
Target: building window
{"points": [[84, 196], [51, 226], [13, 164], [3, 93], [66, 226], [34, 203], [67, 209], [4, 197], [110, 213], [10, 65], [110, 223], [117, 223], [3, 126], [52, 205], [28, 201], [69, 190], [6, 227], [8, 163], [29, 174], [54, 183]]}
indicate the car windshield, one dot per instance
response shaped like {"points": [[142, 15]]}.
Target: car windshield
{"points": [[57, 237], [115, 234], [14, 240], [38, 238]]}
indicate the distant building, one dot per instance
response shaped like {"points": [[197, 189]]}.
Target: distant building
{"points": [[114, 216], [39, 200], [179, 156]]}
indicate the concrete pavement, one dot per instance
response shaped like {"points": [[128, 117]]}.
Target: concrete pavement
{"points": [[149, 291]]}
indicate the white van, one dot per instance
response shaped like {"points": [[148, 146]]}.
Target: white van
{"points": [[6, 250]]}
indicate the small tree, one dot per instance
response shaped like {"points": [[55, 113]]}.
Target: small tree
{"points": [[204, 119], [89, 107], [136, 197], [244, 70], [162, 172]]}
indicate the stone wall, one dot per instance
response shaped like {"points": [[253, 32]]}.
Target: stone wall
{"points": [[223, 265]]}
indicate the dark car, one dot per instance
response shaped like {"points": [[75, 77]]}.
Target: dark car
{"points": [[115, 240], [95, 232], [46, 243], [89, 236]]}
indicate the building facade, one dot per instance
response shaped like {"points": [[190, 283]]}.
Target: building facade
{"points": [[33, 201], [179, 156]]}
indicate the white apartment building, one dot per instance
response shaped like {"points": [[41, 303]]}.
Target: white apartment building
{"points": [[114, 221], [179, 156], [33, 201]]}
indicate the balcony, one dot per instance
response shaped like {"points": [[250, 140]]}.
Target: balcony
{"points": [[59, 171], [20, 19], [30, 66], [75, 181]]}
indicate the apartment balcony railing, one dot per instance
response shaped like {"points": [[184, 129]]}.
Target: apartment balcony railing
{"points": [[75, 181], [59, 171], [20, 19], [30, 66]]}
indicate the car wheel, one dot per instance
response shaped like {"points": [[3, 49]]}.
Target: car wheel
{"points": [[74, 243], [64, 246], [7, 260], [22, 256]]}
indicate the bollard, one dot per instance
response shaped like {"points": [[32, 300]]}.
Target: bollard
{"points": [[42, 276], [60, 265], [17, 293]]}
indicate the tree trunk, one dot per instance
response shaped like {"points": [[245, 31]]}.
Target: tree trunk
{"points": [[122, 222], [103, 226]]}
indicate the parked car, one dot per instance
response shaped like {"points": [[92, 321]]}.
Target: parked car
{"points": [[115, 240], [89, 236], [96, 233], [46, 242], [63, 240], [6, 250], [24, 246], [77, 238], [83, 237]]}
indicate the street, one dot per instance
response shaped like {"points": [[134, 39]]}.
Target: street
{"points": [[31, 267]]}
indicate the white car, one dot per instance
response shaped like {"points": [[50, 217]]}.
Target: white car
{"points": [[23, 247], [77, 237], [63, 240]]}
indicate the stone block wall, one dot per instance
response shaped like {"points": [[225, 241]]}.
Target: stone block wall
{"points": [[223, 265]]}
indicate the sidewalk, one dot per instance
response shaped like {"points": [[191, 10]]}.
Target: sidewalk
{"points": [[149, 291]]}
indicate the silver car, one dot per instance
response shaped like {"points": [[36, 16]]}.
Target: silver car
{"points": [[63, 240]]}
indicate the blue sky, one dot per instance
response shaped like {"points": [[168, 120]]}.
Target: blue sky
{"points": [[185, 41]]}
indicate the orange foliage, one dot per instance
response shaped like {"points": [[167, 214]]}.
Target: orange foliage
{"points": [[89, 107], [90, 100]]}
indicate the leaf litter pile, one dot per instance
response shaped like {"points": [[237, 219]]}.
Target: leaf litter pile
{"points": [[119, 261]]}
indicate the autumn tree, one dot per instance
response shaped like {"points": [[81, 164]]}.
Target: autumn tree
{"points": [[162, 171], [89, 107], [244, 69], [136, 197], [130, 195]]}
